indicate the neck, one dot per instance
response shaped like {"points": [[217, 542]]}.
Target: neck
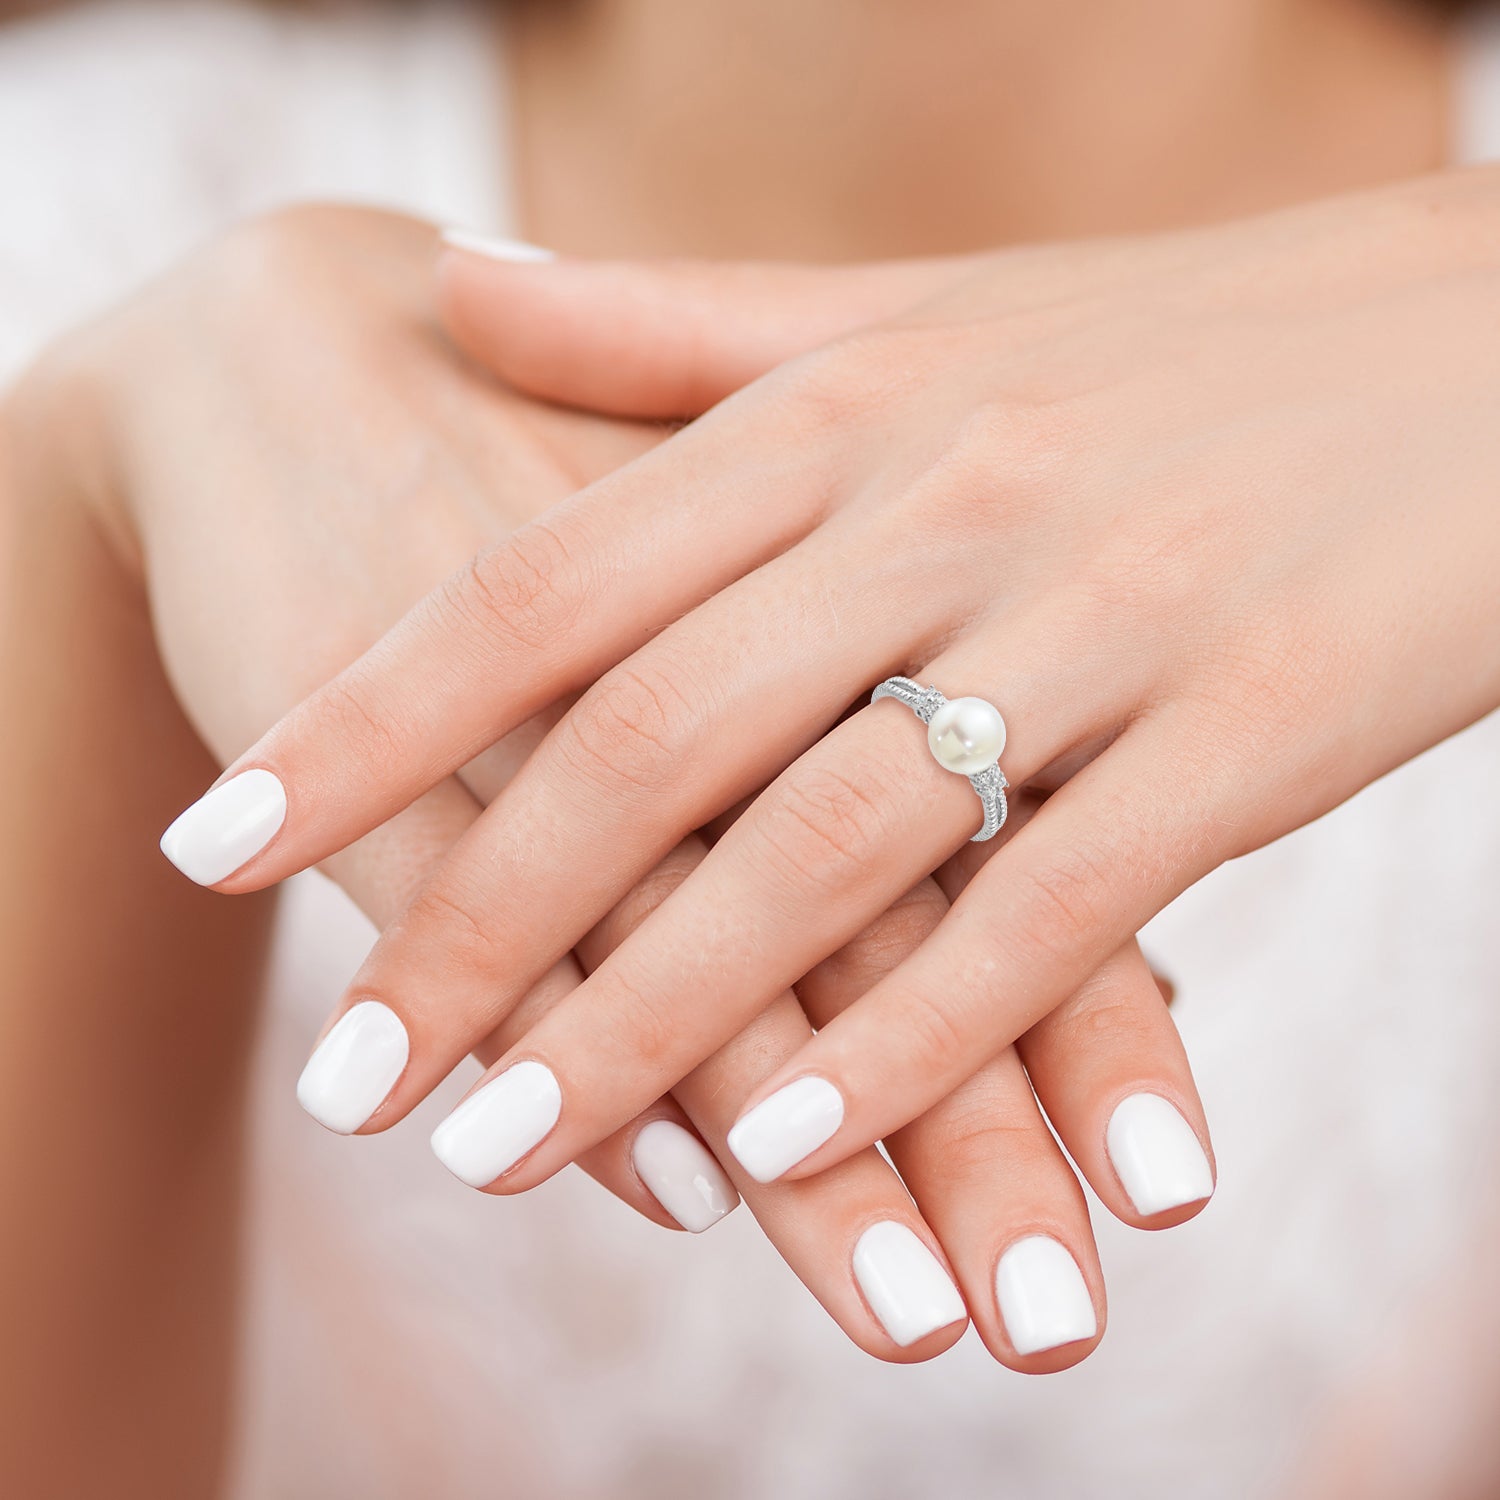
{"points": [[844, 130]]}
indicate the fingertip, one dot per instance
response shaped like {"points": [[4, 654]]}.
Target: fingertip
{"points": [[675, 1167], [908, 1290], [346, 1082], [226, 828], [1166, 1218], [1159, 1160], [1049, 1361], [921, 1350]]}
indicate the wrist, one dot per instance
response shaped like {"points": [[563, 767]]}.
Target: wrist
{"points": [[56, 426]]}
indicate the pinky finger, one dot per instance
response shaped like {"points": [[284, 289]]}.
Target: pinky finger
{"points": [[657, 1164]]}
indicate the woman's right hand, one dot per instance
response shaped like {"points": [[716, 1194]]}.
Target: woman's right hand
{"points": [[282, 449]]}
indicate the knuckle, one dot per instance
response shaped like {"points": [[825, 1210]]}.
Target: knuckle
{"points": [[636, 727], [283, 231], [440, 908], [522, 595], [1102, 1019], [826, 825], [889, 940], [1064, 899], [648, 894], [643, 1024], [977, 1138], [374, 740], [933, 1035], [443, 935], [267, 261], [851, 381], [1002, 459], [291, 234], [1023, 431]]}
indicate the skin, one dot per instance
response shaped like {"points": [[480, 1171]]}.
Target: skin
{"points": [[149, 1243], [815, 135], [118, 1263], [1144, 494], [177, 537]]}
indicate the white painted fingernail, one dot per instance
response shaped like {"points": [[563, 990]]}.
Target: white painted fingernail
{"points": [[682, 1175], [516, 252], [781, 1130], [226, 826], [1042, 1295], [1157, 1155], [355, 1066], [493, 1129], [904, 1283]]}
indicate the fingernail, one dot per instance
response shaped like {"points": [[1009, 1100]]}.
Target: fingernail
{"points": [[682, 1175], [492, 1130], [1043, 1297], [906, 1286], [1156, 1155], [781, 1130], [355, 1066], [516, 252], [226, 826]]}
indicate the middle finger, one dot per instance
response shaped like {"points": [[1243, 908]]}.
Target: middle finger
{"points": [[651, 752]]}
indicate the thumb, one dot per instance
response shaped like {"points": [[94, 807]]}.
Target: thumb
{"points": [[665, 338]]}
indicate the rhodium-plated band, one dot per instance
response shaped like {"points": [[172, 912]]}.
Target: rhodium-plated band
{"points": [[988, 780]]}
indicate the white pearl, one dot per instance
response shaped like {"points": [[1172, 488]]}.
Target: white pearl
{"points": [[966, 735]]}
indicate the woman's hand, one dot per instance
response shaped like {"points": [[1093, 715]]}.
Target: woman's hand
{"points": [[1211, 517], [286, 457]]}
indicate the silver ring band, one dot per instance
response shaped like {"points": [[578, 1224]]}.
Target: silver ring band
{"points": [[989, 780]]}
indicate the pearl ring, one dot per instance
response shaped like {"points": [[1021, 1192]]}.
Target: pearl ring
{"points": [[965, 735]]}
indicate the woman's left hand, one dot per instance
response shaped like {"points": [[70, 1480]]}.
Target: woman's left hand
{"points": [[1213, 518]]}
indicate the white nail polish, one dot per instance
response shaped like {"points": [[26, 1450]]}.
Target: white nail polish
{"points": [[1043, 1297], [682, 1175], [904, 1283], [493, 1129], [226, 826], [515, 252], [781, 1130], [355, 1066], [1156, 1155]]}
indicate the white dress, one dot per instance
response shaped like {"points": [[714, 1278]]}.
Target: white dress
{"points": [[410, 1338]]}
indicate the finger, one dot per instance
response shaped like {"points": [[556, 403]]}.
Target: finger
{"points": [[657, 1164], [852, 1235], [649, 753], [1103, 855], [1111, 1069], [985, 1172], [379, 874], [660, 338], [828, 847], [1113, 1076], [544, 614]]}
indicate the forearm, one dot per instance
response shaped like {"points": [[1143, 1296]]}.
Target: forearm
{"points": [[125, 1008]]}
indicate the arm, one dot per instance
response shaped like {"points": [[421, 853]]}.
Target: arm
{"points": [[125, 1008]]}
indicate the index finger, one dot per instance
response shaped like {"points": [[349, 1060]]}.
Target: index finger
{"points": [[543, 614]]}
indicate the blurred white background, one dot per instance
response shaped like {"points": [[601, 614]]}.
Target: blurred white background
{"points": [[1334, 1308]]}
